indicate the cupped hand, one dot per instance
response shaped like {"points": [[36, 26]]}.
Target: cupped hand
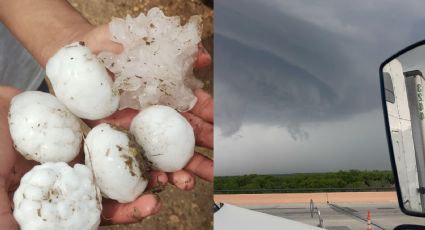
{"points": [[200, 117], [98, 39], [13, 166]]}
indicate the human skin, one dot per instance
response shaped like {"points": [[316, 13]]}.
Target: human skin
{"points": [[43, 27], [13, 166]]}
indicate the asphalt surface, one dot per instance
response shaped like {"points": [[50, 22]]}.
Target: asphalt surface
{"points": [[342, 216], [348, 209]]}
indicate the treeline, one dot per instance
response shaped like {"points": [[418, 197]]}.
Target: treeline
{"points": [[352, 180]]}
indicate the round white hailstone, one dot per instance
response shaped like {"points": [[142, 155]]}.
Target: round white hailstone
{"points": [[156, 66], [81, 82], [166, 137], [43, 129], [56, 196], [117, 162]]}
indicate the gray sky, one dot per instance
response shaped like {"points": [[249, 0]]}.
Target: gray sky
{"points": [[297, 83]]}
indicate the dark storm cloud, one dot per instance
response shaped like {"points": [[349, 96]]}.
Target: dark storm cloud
{"points": [[332, 146], [266, 86], [305, 70], [286, 66]]}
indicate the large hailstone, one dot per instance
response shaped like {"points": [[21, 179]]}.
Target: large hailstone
{"points": [[81, 82], [156, 66], [55, 196], [166, 137], [117, 162], [43, 129]]}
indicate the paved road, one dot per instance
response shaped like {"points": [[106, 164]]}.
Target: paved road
{"points": [[386, 215]]}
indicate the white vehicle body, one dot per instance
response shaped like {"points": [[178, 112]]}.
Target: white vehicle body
{"points": [[233, 217]]}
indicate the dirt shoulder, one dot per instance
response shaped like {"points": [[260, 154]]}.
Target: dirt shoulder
{"points": [[287, 198]]}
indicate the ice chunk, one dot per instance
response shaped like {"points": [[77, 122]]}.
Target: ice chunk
{"points": [[50, 205], [156, 66]]}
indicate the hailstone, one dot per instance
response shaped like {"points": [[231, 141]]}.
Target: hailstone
{"points": [[43, 129], [81, 82], [166, 137], [156, 66], [117, 162], [55, 196]]}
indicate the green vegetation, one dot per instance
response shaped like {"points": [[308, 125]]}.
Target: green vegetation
{"points": [[352, 180]]}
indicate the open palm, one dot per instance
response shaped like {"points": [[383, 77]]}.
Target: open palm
{"points": [[13, 166]]}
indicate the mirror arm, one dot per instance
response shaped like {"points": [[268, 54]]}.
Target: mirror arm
{"points": [[421, 190]]}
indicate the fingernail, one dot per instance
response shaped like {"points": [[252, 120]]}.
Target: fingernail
{"points": [[202, 49], [157, 207], [136, 215], [185, 183], [162, 179]]}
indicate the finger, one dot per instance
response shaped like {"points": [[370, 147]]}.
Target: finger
{"points": [[8, 222], [19, 168], [99, 39], [117, 213], [121, 118], [7, 93], [158, 179], [203, 58], [201, 166], [78, 159], [6, 218], [204, 107], [204, 131], [182, 179]]}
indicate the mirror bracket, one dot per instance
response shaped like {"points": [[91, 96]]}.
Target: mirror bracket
{"points": [[421, 190]]}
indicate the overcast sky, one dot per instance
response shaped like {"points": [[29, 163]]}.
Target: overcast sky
{"points": [[297, 82]]}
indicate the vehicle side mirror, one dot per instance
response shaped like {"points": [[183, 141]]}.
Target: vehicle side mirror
{"points": [[403, 100]]}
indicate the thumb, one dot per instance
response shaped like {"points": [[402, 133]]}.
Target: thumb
{"points": [[99, 39], [121, 118], [203, 58], [6, 218]]}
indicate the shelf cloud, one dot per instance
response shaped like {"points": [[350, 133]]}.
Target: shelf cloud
{"points": [[296, 82]]}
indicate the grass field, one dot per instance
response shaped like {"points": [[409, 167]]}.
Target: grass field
{"points": [[352, 180]]}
